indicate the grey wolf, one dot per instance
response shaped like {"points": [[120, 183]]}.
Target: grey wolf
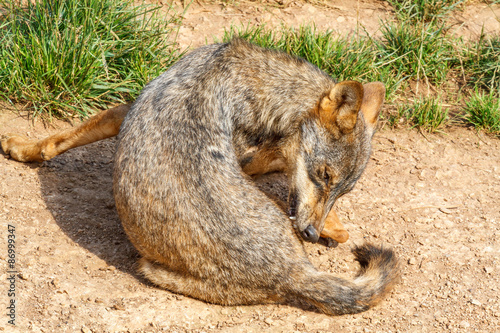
{"points": [[186, 148]]}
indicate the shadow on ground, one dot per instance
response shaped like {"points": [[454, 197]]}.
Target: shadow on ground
{"points": [[77, 189]]}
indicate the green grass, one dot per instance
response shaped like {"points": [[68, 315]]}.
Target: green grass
{"points": [[416, 51], [482, 62], [423, 10], [425, 113], [483, 111], [69, 56]]}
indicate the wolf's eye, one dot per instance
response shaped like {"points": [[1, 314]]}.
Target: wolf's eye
{"points": [[323, 173], [326, 177]]}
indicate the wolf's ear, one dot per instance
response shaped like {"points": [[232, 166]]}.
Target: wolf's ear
{"points": [[373, 98], [340, 107]]}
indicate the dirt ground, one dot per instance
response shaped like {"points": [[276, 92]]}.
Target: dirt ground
{"points": [[434, 198]]}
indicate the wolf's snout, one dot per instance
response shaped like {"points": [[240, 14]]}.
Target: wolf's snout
{"points": [[310, 234]]}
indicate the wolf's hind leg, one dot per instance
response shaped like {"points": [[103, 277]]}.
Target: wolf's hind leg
{"points": [[101, 126]]}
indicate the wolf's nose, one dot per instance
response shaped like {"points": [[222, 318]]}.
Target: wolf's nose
{"points": [[310, 234]]}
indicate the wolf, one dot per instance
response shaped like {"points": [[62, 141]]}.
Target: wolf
{"points": [[186, 151]]}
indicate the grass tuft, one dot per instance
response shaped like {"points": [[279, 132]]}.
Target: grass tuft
{"points": [[418, 52], [482, 62], [483, 111], [423, 10], [70, 56], [425, 113]]}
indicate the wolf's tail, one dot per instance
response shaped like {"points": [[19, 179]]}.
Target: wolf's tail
{"points": [[332, 295]]}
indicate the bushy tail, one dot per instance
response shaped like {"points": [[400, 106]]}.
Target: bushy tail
{"points": [[332, 295]]}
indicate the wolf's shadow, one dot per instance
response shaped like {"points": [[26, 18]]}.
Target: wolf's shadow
{"points": [[77, 188]]}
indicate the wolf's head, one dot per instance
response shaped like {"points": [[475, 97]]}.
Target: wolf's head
{"points": [[333, 150]]}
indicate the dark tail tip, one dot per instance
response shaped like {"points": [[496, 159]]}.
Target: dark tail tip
{"points": [[382, 265], [367, 254]]}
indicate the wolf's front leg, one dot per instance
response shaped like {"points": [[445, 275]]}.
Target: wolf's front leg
{"points": [[334, 229]]}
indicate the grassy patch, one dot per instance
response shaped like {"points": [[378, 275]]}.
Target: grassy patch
{"points": [[426, 113], [423, 10], [483, 111], [69, 56], [416, 51], [482, 62]]}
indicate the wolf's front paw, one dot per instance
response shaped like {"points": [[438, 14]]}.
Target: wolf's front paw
{"points": [[20, 148]]}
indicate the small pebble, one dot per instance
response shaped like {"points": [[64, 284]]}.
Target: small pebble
{"points": [[268, 321], [475, 302]]}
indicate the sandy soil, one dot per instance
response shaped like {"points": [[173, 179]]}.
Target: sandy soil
{"points": [[435, 199]]}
